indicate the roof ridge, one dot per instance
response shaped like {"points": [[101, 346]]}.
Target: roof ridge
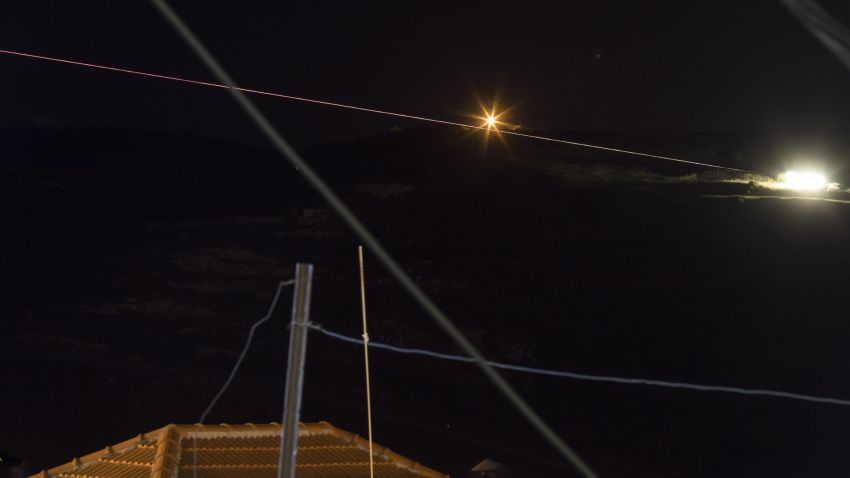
{"points": [[92, 458], [167, 453]]}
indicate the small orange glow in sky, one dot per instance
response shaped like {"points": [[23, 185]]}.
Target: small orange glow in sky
{"points": [[490, 121]]}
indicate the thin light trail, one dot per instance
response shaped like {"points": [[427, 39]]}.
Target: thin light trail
{"points": [[588, 377], [244, 90], [359, 108], [624, 151]]}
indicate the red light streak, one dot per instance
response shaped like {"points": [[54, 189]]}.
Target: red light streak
{"points": [[485, 127]]}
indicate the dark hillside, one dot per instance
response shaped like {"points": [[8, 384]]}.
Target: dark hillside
{"points": [[134, 264]]}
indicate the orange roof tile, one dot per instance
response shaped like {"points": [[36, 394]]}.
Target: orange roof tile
{"points": [[239, 451]]}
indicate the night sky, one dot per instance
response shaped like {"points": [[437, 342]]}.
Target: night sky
{"points": [[580, 259], [622, 66]]}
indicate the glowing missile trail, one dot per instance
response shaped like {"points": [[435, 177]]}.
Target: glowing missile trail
{"points": [[489, 124]]}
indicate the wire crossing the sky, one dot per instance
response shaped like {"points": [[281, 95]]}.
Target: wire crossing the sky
{"points": [[362, 109], [585, 376]]}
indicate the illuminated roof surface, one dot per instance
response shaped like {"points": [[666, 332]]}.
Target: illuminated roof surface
{"points": [[239, 451]]}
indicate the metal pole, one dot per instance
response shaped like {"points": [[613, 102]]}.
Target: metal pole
{"points": [[295, 370]]}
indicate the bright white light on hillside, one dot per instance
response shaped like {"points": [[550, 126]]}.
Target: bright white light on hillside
{"points": [[803, 180]]}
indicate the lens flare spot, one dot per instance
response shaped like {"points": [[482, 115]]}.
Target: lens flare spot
{"points": [[804, 180]]}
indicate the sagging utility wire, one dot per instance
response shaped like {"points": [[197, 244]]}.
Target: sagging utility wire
{"points": [[484, 127], [588, 377], [245, 349], [236, 366]]}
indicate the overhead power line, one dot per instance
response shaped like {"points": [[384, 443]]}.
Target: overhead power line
{"points": [[372, 243], [245, 349], [236, 366], [588, 377], [364, 109]]}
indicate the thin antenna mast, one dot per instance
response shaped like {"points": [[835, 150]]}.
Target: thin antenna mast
{"points": [[366, 360]]}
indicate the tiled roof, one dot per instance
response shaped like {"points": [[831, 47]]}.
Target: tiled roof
{"points": [[239, 451]]}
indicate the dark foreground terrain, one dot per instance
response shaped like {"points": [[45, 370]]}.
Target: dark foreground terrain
{"points": [[134, 263]]}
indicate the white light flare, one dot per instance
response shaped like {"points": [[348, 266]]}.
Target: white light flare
{"points": [[804, 180]]}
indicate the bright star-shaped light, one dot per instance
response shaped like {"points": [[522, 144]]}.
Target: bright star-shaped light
{"points": [[490, 121]]}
